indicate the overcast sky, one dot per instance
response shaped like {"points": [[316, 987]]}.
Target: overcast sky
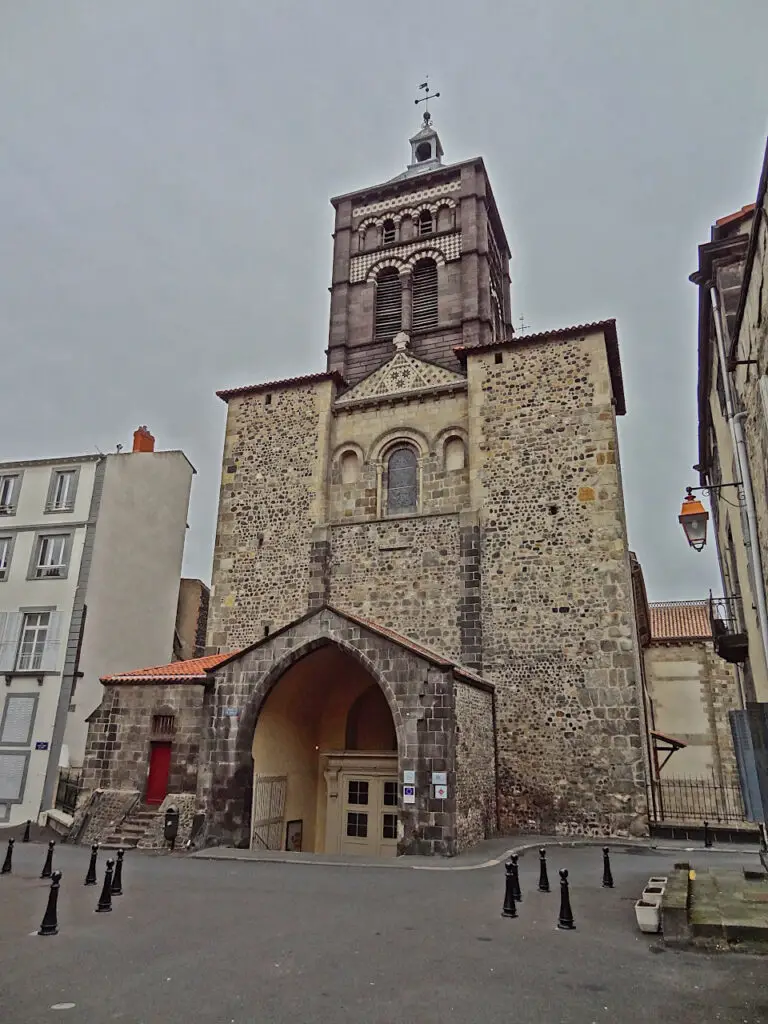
{"points": [[165, 227]]}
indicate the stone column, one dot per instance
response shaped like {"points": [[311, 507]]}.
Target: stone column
{"points": [[406, 284]]}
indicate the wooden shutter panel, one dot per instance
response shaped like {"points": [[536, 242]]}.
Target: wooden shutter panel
{"points": [[10, 626], [389, 304], [52, 644], [424, 295]]}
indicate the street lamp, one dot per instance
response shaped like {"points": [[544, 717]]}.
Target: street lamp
{"points": [[693, 519]]}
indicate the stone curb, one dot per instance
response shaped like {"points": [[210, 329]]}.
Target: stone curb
{"points": [[402, 863]]}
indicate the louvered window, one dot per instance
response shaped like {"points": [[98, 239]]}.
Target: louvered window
{"points": [[388, 232], [402, 481], [425, 223], [424, 295], [389, 304]]}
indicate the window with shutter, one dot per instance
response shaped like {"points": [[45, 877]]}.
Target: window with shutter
{"points": [[388, 232], [424, 295], [389, 304], [9, 492], [426, 226], [13, 769], [34, 634], [6, 547], [402, 481], [17, 719]]}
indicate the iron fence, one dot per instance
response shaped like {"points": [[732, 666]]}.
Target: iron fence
{"points": [[694, 800], [68, 789]]}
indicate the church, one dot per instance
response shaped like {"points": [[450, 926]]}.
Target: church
{"points": [[421, 626]]}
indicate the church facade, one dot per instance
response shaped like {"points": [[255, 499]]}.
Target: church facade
{"points": [[421, 626]]}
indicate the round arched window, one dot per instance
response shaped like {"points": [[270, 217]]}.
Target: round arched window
{"points": [[402, 481], [424, 151]]}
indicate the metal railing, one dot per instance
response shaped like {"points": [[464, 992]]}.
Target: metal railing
{"points": [[694, 800], [729, 635], [68, 789]]}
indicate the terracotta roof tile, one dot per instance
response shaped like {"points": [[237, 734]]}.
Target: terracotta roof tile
{"points": [[680, 620], [743, 212], [177, 671], [289, 382]]}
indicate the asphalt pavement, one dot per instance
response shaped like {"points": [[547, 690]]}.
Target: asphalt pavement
{"points": [[229, 942]]}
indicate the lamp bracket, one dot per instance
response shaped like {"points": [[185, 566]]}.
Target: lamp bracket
{"points": [[711, 488]]}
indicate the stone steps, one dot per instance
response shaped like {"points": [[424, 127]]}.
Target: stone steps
{"points": [[131, 831]]}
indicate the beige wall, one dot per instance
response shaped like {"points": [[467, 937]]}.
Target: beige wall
{"points": [[134, 579], [305, 717], [691, 691]]}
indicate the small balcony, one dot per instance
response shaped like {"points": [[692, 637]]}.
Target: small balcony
{"points": [[729, 635]]}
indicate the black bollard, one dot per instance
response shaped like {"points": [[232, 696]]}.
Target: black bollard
{"points": [[516, 879], [707, 836], [607, 876], [565, 920], [117, 881], [48, 866], [543, 876], [90, 878], [50, 925], [25, 837], [7, 863], [105, 900], [509, 892]]}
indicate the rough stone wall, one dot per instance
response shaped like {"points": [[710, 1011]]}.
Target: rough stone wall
{"points": [[119, 736], [419, 694], [100, 812], [558, 634], [692, 690], [402, 574], [475, 765], [154, 837], [272, 495]]}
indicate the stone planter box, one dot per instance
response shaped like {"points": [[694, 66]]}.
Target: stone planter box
{"points": [[648, 916], [653, 892], [658, 880]]}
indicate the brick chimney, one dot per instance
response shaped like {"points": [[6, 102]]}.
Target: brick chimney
{"points": [[143, 441]]}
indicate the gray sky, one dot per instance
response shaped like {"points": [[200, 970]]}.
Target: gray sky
{"points": [[164, 217]]}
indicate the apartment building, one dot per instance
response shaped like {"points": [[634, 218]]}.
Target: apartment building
{"points": [[90, 560]]}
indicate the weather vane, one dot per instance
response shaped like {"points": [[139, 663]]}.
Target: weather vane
{"points": [[425, 100]]}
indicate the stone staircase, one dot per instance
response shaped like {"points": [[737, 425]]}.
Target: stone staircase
{"points": [[130, 831]]}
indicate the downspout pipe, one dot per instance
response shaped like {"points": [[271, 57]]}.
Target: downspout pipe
{"points": [[736, 425]]}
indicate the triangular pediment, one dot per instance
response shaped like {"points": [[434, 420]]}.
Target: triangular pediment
{"points": [[402, 375]]}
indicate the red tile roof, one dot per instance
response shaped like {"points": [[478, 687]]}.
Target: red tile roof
{"points": [[680, 620], [274, 385], [177, 671], [743, 212], [608, 327]]}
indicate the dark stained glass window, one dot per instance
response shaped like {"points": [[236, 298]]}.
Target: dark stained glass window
{"points": [[402, 481]]}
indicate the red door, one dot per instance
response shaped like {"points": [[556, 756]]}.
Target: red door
{"points": [[159, 766]]}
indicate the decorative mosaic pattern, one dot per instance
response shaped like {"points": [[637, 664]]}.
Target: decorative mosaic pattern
{"points": [[405, 200], [402, 373], [442, 248], [409, 211]]}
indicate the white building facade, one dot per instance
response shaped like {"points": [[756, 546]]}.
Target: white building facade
{"points": [[90, 561]]}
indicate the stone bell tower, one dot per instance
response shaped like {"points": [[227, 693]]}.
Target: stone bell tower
{"points": [[424, 253]]}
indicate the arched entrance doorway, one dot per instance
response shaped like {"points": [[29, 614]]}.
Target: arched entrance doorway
{"points": [[325, 761]]}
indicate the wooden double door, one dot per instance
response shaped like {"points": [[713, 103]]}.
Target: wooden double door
{"points": [[368, 814]]}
